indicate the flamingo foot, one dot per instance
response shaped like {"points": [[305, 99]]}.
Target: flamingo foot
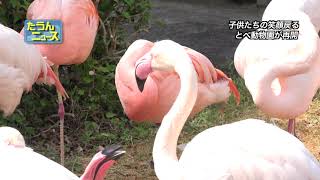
{"points": [[292, 127]]}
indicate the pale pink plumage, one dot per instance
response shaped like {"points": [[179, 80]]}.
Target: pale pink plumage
{"points": [[309, 7], [246, 150], [161, 88], [282, 75], [21, 65], [20, 162]]}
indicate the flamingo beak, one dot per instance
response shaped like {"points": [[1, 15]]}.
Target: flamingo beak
{"points": [[142, 70], [140, 83], [113, 152]]}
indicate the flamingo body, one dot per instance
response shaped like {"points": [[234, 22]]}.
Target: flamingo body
{"points": [[31, 165], [161, 88], [80, 23], [248, 150], [282, 75]]}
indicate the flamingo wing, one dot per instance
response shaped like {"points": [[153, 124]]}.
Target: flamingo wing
{"points": [[208, 74]]}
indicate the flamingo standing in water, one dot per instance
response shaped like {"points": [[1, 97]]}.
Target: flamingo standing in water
{"points": [[21, 65], [248, 149], [162, 88], [15, 156], [283, 75], [80, 23]]}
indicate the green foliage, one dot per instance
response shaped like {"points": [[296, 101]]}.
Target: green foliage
{"points": [[114, 16], [13, 13], [94, 113]]}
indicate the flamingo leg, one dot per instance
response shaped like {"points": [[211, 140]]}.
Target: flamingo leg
{"points": [[292, 127], [61, 113]]}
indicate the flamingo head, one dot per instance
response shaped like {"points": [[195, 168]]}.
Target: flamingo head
{"points": [[161, 57], [102, 161]]}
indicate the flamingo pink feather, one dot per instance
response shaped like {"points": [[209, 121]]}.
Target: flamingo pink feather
{"points": [[80, 23]]}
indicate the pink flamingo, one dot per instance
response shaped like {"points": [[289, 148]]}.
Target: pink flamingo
{"points": [[21, 65], [283, 75], [162, 88], [31, 165], [248, 149], [80, 23]]}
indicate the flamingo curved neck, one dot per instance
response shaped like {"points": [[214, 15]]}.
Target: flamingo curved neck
{"points": [[298, 60], [266, 99], [164, 150], [289, 101]]}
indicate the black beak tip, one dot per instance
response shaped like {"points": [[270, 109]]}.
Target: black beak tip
{"points": [[110, 149], [140, 83], [113, 151]]}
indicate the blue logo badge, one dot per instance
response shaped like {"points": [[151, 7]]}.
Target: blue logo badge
{"points": [[43, 31]]}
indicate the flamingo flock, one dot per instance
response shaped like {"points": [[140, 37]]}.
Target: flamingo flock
{"points": [[248, 149], [167, 83]]}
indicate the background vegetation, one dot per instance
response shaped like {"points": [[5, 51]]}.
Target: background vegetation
{"points": [[94, 114]]}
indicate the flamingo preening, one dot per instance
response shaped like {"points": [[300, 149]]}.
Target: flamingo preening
{"points": [[21, 65], [162, 88], [248, 149], [15, 156], [80, 21], [283, 75]]}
